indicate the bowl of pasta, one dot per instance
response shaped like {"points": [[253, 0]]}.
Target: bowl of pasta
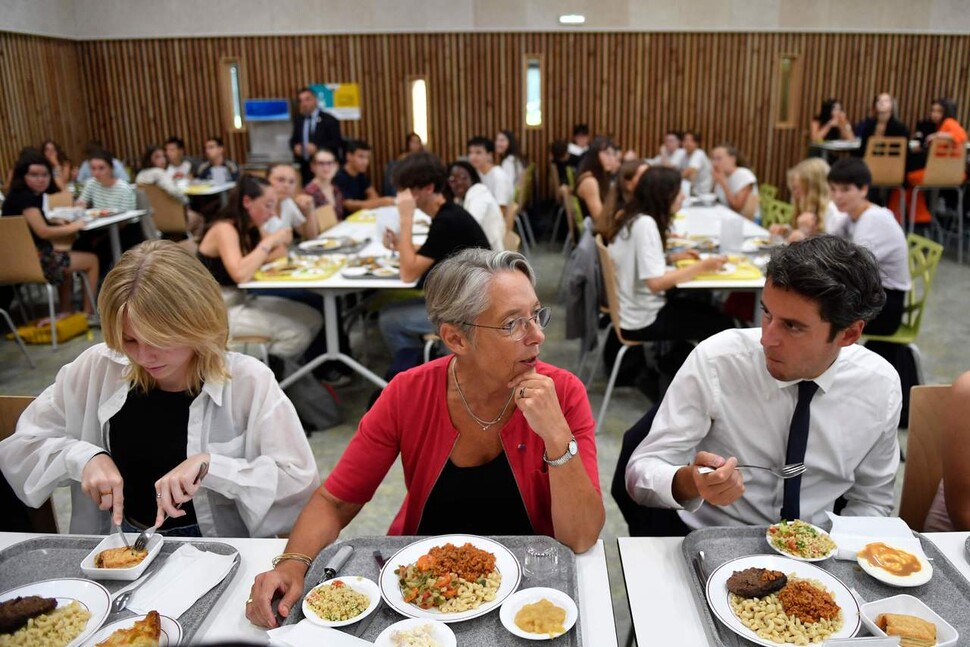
{"points": [[772, 600], [801, 541], [451, 578]]}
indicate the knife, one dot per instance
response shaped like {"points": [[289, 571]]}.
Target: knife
{"points": [[336, 562], [366, 622], [712, 633]]}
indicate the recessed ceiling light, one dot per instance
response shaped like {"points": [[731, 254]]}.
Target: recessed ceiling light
{"points": [[572, 19]]}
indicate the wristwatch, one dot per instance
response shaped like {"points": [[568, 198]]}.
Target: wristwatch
{"points": [[571, 450]]}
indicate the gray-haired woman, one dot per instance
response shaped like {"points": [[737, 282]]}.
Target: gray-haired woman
{"points": [[486, 435]]}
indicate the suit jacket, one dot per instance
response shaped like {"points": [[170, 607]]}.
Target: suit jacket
{"points": [[324, 133]]}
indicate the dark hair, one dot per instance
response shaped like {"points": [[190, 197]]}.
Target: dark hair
{"points": [[146, 158], [419, 170], [465, 164], [409, 137], [949, 107], [513, 149], [61, 155], [482, 142], [252, 187], [696, 135], [825, 114], [305, 88], [840, 276], [739, 160], [676, 133], [850, 170], [30, 157], [654, 194], [275, 165], [354, 145], [217, 140], [177, 141], [580, 129], [559, 148], [590, 162], [105, 156]]}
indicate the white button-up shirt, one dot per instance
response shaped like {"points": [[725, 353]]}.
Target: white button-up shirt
{"points": [[724, 401]]}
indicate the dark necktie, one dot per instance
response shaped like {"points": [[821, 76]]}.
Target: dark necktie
{"points": [[797, 443]]}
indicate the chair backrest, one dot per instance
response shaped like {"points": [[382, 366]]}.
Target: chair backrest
{"points": [[511, 210], [946, 164], [167, 212], [11, 406], [326, 217], [571, 177], [609, 285], [574, 215], [555, 182], [512, 241], [768, 191], [924, 452], [776, 212], [528, 181], [924, 258], [60, 199], [20, 261], [886, 159]]}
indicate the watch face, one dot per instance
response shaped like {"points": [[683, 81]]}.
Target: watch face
{"points": [[573, 447]]}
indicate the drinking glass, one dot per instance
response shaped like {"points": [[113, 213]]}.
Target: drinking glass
{"points": [[541, 560]]}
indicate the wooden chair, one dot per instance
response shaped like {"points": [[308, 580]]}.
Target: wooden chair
{"points": [[613, 301], [261, 343], [512, 241], [886, 159], [21, 264], [946, 167], [326, 217], [924, 453], [168, 213], [513, 222], [11, 406], [60, 199]]}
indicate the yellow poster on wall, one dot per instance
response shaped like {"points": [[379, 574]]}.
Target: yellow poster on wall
{"points": [[342, 100]]}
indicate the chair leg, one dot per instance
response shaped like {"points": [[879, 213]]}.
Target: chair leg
{"points": [[53, 315], [912, 209], [918, 362], [609, 386], [524, 217], [960, 225], [21, 300], [526, 250], [17, 338], [89, 291], [556, 222], [630, 637]]}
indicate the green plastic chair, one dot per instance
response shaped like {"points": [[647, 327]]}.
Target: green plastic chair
{"points": [[767, 192], [776, 212], [924, 257], [571, 177]]}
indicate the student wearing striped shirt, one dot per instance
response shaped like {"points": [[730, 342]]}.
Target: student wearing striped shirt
{"points": [[104, 190]]}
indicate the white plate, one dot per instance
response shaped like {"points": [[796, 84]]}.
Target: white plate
{"points": [[326, 243], [528, 596], [801, 559], [359, 584], [505, 562], [171, 631], [386, 272], [353, 272], [920, 577], [946, 635], [126, 574], [90, 594], [440, 632], [717, 593]]}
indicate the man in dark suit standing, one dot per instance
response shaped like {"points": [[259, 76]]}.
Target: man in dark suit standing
{"points": [[313, 129]]}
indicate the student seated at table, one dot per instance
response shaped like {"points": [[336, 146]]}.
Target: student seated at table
{"points": [[881, 122], [130, 423], [671, 153], [178, 166], [85, 173], [63, 168], [481, 154], [293, 211], [233, 248], [154, 170], [578, 144], [217, 168], [831, 124], [32, 182], [509, 156], [412, 144], [595, 175], [735, 185], [467, 190], [420, 181], [808, 184], [698, 169], [105, 190], [799, 390], [353, 181], [950, 509], [492, 441], [321, 188]]}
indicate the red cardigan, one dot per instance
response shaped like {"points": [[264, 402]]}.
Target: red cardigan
{"points": [[411, 419]]}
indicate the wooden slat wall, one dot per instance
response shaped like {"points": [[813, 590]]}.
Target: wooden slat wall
{"points": [[631, 85]]}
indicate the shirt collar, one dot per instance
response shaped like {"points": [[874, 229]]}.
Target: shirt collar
{"points": [[824, 380], [212, 389]]}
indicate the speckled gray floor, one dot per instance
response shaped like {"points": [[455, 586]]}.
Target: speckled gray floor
{"points": [[943, 341]]}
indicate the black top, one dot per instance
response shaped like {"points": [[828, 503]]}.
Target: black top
{"points": [[481, 500], [352, 187], [324, 133], [147, 440], [17, 202], [452, 229], [217, 268], [866, 129]]}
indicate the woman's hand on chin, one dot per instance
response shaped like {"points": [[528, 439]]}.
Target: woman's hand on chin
{"points": [[535, 396]]}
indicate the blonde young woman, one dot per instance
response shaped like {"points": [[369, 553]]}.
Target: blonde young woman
{"points": [[809, 188], [131, 423]]}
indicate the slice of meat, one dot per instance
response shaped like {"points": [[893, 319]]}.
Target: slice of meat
{"points": [[756, 582], [15, 613]]}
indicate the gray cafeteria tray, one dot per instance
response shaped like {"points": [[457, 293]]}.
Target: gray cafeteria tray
{"points": [[948, 593], [60, 556], [484, 631]]}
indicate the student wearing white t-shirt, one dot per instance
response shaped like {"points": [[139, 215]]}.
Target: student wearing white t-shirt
{"points": [[809, 188], [637, 247], [698, 167], [735, 185], [507, 151], [292, 211], [481, 154], [468, 191], [671, 154]]}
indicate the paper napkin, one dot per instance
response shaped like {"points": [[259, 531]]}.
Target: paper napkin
{"points": [[851, 534], [306, 634], [184, 578]]}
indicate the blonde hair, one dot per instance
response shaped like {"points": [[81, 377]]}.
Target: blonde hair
{"points": [[170, 299], [812, 175]]}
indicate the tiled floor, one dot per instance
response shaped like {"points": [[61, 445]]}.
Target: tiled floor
{"points": [[943, 340]]}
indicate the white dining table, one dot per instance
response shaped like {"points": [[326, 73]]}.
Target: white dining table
{"points": [[226, 621], [662, 607], [335, 286], [113, 223]]}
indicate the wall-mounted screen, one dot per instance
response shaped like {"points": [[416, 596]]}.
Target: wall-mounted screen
{"points": [[267, 109]]}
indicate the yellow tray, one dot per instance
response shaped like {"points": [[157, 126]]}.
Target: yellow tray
{"points": [[362, 216], [196, 189], [319, 272], [742, 272]]}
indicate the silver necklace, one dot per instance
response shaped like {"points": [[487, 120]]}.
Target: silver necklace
{"points": [[484, 424]]}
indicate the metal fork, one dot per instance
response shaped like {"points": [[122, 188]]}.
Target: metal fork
{"points": [[784, 472], [146, 535]]}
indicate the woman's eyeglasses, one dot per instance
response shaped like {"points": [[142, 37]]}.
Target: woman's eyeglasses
{"points": [[518, 328]]}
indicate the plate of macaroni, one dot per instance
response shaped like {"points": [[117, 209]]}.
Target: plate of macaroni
{"points": [[57, 613], [451, 578], [800, 540], [341, 601], [782, 601]]}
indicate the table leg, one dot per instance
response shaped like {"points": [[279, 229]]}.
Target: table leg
{"points": [[115, 242], [331, 323]]}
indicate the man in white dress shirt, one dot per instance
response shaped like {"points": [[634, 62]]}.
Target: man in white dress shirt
{"points": [[739, 399], [671, 154], [481, 154]]}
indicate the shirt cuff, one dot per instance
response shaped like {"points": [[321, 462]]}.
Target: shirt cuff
{"points": [[80, 453]]}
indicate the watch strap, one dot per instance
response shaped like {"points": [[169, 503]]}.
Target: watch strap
{"points": [[565, 458]]}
